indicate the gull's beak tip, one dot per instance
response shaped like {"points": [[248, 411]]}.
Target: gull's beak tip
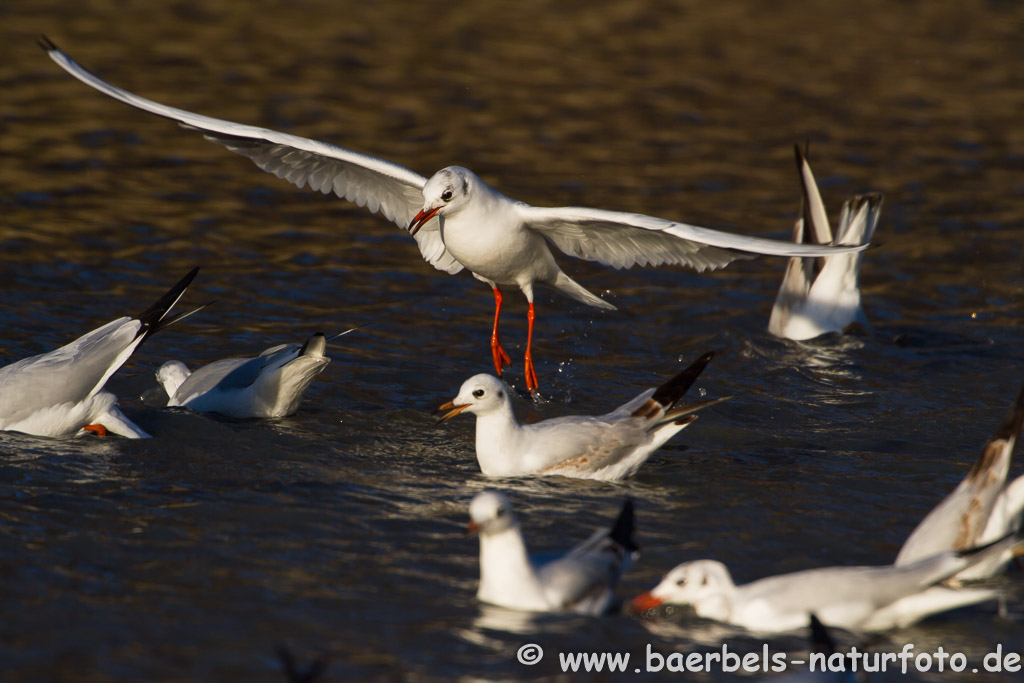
{"points": [[644, 602], [421, 218], [452, 408]]}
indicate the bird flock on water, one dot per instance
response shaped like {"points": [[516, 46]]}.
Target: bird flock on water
{"points": [[461, 223]]}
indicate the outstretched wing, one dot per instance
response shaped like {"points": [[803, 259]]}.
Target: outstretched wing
{"points": [[622, 240], [379, 185]]}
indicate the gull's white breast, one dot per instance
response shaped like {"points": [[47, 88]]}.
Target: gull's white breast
{"points": [[488, 237]]}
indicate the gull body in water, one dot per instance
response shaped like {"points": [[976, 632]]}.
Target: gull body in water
{"points": [[611, 446], [61, 393], [582, 580]]}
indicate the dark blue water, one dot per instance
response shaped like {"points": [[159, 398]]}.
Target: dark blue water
{"points": [[338, 531]]}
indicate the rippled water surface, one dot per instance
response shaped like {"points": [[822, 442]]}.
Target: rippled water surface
{"points": [[338, 531]]}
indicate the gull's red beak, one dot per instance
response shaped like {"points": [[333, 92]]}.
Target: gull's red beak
{"points": [[452, 409], [644, 602], [472, 527], [420, 219]]}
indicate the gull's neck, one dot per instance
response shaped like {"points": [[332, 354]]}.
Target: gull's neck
{"points": [[507, 577], [497, 441]]}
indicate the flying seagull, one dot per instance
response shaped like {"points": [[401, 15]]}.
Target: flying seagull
{"points": [[460, 222]]}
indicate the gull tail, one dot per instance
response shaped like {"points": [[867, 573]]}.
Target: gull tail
{"points": [[314, 346], [566, 285], [624, 528]]}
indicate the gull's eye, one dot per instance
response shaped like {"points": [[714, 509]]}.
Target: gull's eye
{"points": [[500, 512], [704, 582], [447, 195], [681, 582], [478, 393]]}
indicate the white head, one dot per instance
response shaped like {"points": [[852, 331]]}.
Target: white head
{"points": [[480, 394], [705, 584], [445, 193], [490, 513]]}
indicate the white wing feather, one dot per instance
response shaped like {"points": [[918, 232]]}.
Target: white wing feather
{"points": [[622, 240], [378, 184]]}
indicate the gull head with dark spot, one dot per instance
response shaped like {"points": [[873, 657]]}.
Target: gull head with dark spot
{"points": [[481, 394], [490, 513], [447, 191], [703, 582]]}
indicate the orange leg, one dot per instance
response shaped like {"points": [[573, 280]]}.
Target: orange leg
{"points": [[501, 358], [531, 374], [100, 430]]}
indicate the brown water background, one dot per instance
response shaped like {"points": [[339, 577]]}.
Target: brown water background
{"points": [[193, 555]]}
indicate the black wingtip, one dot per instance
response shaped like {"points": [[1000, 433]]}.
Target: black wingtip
{"points": [[48, 45], [674, 389], [821, 639], [801, 154], [1015, 420], [624, 527], [1017, 535], [155, 317], [292, 671]]}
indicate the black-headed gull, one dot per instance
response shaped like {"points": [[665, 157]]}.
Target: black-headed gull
{"points": [[983, 508], [61, 393], [819, 296], [854, 598], [609, 447], [583, 580], [501, 241], [269, 385]]}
